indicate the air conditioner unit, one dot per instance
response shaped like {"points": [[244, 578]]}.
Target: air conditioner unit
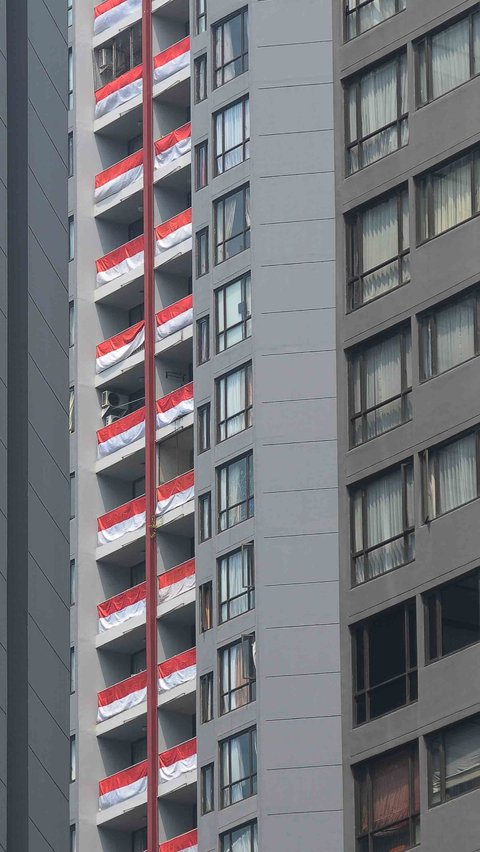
{"points": [[104, 58], [112, 399]]}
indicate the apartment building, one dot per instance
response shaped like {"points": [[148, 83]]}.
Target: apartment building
{"points": [[316, 264], [34, 586]]}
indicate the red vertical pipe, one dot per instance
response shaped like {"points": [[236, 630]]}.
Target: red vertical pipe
{"points": [[150, 447]]}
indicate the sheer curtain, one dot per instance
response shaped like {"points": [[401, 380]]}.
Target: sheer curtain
{"points": [[379, 106], [232, 589], [375, 12], [450, 58], [384, 507], [383, 379], [457, 473], [242, 839], [452, 194], [455, 334], [243, 763], [229, 137], [235, 402], [379, 244], [237, 491]]}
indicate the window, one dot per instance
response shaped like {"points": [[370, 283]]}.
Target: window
{"points": [[200, 78], [206, 697], [70, 155], [73, 501], [70, 78], [385, 662], [205, 516], [203, 428], [206, 607], [138, 751], [72, 671], [73, 838], [448, 58], [139, 840], [232, 224], [449, 195], [71, 238], [135, 229], [450, 476], [138, 487], [382, 523], [135, 144], [230, 39], [118, 56], [234, 399], [378, 249], [201, 165], [238, 768], [453, 616], [203, 340], [454, 761], [138, 662], [201, 15], [235, 492], [73, 759], [207, 800], [233, 312], [377, 114], [137, 574], [236, 583], [450, 334], [71, 323], [71, 410], [237, 675], [232, 135], [73, 581], [380, 386], [244, 838], [202, 252], [362, 15], [136, 314], [388, 802], [69, 13]]}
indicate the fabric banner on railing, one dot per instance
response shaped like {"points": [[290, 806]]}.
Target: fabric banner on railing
{"points": [[121, 260], [175, 317], [112, 12], [173, 146], [173, 232], [185, 843], [122, 786], [121, 608], [177, 670], [119, 91], [175, 493], [171, 60], [177, 761], [119, 176], [119, 347], [177, 581]]}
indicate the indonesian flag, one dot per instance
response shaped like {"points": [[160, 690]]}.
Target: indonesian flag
{"points": [[177, 581], [119, 347], [112, 12], [173, 232], [171, 60], [119, 176], [121, 260], [174, 145], [185, 843], [126, 430], [118, 91], [131, 516], [122, 607], [175, 317], [177, 761], [122, 786], [177, 670]]}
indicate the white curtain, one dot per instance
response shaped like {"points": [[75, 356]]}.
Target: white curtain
{"points": [[229, 137], [232, 673], [375, 12], [243, 763], [380, 242], [242, 840], [455, 334], [462, 757], [452, 195], [450, 58], [232, 40], [380, 106], [457, 475], [384, 510], [235, 494], [383, 379], [232, 587], [476, 43]]}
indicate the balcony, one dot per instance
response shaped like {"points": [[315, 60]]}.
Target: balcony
{"points": [[118, 189], [183, 843], [111, 17], [125, 792], [118, 104]]}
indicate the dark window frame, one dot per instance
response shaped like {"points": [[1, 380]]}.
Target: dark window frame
{"points": [[245, 322], [205, 606], [248, 571], [244, 145], [220, 246], [70, 158], [248, 502], [428, 338], [203, 336], [200, 71], [200, 16], [249, 685], [221, 396], [425, 209], [206, 698], [207, 789], [202, 252], [425, 43], [434, 619], [225, 781], [204, 534], [203, 428], [201, 166], [243, 57], [364, 4]]}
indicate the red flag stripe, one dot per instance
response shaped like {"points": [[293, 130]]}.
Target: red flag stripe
{"points": [[171, 139], [180, 752], [123, 688], [172, 52], [186, 569], [119, 340], [123, 778], [119, 168], [173, 224], [121, 253], [177, 663], [119, 83], [106, 6], [175, 486], [121, 601], [178, 844]]}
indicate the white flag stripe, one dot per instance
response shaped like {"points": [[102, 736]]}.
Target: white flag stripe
{"points": [[117, 98], [167, 593], [122, 615], [175, 770], [175, 324], [125, 703], [165, 684], [171, 67], [122, 794], [118, 183], [118, 530], [126, 265], [174, 501], [174, 153], [114, 16], [103, 362], [173, 239]]}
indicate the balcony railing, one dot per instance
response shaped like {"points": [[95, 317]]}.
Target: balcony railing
{"points": [[130, 517], [120, 176], [133, 691], [184, 843], [131, 782], [131, 603], [129, 85], [129, 256], [113, 12]]}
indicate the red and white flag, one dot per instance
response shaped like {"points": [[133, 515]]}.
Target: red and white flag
{"points": [[122, 696], [119, 347], [131, 516], [121, 260], [119, 91], [126, 430], [116, 178], [177, 670], [174, 145], [122, 785], [177, 761], [171, 60], [185, 843], [175, 317], [112, 12], [177, 581], [122, 607], [174, 231]]}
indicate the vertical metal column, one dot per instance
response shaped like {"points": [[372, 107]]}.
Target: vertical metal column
{"points": [[150, 460]]}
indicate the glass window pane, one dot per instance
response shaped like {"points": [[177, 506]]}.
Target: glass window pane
{"points": [[455, 328], [457, 473], [452, 194], [450, 57]]}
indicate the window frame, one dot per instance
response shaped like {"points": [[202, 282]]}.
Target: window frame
{"points": [[207, 789], [243, 56], [428, 337], [206, 698], [426, 43], [425, 210], [245, 233], [354, 241], [200, 73], [204, 534], [226, 837], [221, 396], [203, 355], [203, 428], [248, 551], [244, 145], [441, 735], [226, 784], [245, 284], [249, 683], [205, 606], [200, 16], [71, 238], [250, 495], [70, 83], [202, 265], [425, 458], [201, 182], [70, 155], [133, 32], [432, 600], [359, 5]]}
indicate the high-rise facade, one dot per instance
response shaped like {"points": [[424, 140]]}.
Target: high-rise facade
{"points": [[34, 584], [316, 189]]}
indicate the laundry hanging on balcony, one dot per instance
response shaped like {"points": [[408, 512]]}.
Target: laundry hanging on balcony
{"points": [[121, 608], [185, 843], [113, 12], [177, 581], [171, 60]]}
